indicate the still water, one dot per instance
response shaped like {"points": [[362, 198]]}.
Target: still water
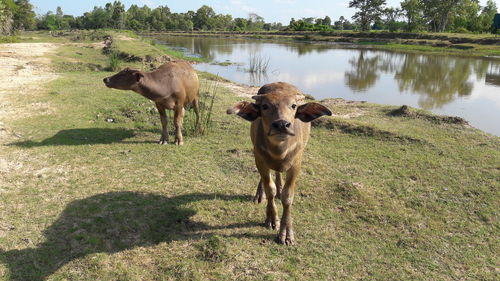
{"points": [[444, 84]]}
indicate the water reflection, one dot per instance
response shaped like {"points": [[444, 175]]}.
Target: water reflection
{"points": [[466, 87], [438, 80]]}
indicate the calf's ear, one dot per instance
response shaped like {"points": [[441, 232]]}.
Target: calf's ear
{"points": [[310, 111], [245, 110], [138, 75]]}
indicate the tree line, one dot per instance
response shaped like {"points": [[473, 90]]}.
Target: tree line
{"points": [[412, 15]]}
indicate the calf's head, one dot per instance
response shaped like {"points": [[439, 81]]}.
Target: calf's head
{"points": [[279, 113], [126, 79]]}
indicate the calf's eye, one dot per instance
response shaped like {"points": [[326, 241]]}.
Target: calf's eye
{"points": [[265, 106], [294, 106]]}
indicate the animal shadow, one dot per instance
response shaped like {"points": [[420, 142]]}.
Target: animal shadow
{"points": [[82, 137], [109, 223]]}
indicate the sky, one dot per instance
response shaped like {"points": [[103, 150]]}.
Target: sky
{"points": [[272, 10]]}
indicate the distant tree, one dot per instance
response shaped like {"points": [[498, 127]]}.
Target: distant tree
{"points": [[222, 22], [487, 15], [6, 17], [48, 21], [341, 22], [240, 24], [413, 11], [203, 19], [24, 17], [467, 17], [255, 22], [138, 18], [117, 16], [368, 11], [390, 18], [438, 13], [327, 21]]}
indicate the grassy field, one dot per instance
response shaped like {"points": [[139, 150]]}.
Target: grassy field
{"points": [[86, 193]]}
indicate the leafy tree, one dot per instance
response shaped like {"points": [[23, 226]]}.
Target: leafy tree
{"points": [[255, 22], [487, 15], [24, 17], [413, 11], [438, 13], [48, 21], [117, 15], [391, 15], [6, 16], [467, 17], [341, 22], [368, 11], [240, 24], [138, 18], [202, 20], [327, 21]]}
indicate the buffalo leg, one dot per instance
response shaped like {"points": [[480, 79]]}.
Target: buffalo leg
{"points": [[196, 106], [163, 118], [178, 118], [286, 234], [270, 190]]}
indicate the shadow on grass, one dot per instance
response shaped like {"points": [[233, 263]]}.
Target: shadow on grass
{"points": [[82, 137], [110, 223]]}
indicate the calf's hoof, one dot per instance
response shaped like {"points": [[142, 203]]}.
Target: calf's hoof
{"points": [[285, 239], [163, 140], [272, 224], [179, 142], [259, 195]]}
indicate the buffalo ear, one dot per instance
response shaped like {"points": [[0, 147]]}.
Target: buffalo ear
{"points": [[310, 111], [138, 75], [245, 110]]}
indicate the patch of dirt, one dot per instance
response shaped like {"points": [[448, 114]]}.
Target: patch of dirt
{"points": [[344, 108], [25, 70], [125, 38], [240, 90], [406, 111]]}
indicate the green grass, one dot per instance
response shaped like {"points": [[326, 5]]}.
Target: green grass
{"points": [[9, 39], [379, 197]]}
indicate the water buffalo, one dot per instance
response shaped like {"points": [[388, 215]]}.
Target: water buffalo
{"points": [[172, 86], [279, 132]]}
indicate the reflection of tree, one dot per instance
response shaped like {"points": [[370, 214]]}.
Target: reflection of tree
{"points": [[204, 46], [492, 76], [307, 48], [438, 78], [364, 72]]}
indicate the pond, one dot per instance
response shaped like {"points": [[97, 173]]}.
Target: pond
{"points": [[468, 87]]}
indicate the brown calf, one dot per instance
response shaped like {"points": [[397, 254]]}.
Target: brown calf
{"points": [[172, 86], [279, 131]]}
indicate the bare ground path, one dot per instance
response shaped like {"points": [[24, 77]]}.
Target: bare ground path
{"points": [[25, 69]]}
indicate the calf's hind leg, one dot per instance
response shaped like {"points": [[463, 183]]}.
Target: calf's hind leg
{"points": [[178, 118]]}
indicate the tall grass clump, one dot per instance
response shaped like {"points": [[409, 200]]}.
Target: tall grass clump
{"points": [[114, 61], [208, 93], [258, 63]]}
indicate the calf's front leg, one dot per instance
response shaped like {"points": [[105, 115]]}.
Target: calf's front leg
{"points": [[163, 118], [270, 191], [286, 234]]}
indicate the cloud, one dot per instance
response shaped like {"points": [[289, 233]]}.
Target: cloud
{"points": [[285, 2], [149, 3], [242, 6]]}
